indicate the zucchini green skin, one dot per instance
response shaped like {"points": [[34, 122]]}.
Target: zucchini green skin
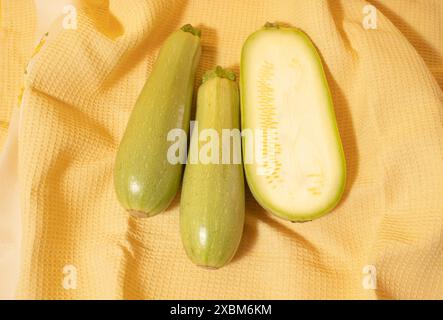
{"points": [[212, 204], [145, 181], [264, 200]]}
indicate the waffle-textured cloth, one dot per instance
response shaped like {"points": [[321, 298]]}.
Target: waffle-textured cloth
{"points": [[384, 240]]}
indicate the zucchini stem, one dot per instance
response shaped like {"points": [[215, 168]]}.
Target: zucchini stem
{"points": [[189, 28], [220, 73], [271, 25]]}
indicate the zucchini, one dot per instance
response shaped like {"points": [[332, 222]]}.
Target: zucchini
{"points": [[298, 171], [212, 206], [145, 181]]}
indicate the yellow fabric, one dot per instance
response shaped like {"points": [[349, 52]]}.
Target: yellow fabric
{"points": [[17, 26], [10, 224], [386, 85]]}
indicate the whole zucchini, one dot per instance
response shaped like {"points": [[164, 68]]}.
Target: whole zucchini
{"points": [[212, 207], [145, 181]]}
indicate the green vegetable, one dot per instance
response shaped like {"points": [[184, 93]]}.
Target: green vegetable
{"points": [[300, 174], [145, 181], [212, 208]]}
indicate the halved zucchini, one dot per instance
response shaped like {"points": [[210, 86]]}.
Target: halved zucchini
{"points": [[298, 167]]}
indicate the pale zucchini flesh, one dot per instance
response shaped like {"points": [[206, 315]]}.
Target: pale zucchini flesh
{"points": [[284, 91], [212, 204]]}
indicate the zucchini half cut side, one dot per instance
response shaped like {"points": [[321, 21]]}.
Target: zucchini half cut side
{"points": [[296, 167]]}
